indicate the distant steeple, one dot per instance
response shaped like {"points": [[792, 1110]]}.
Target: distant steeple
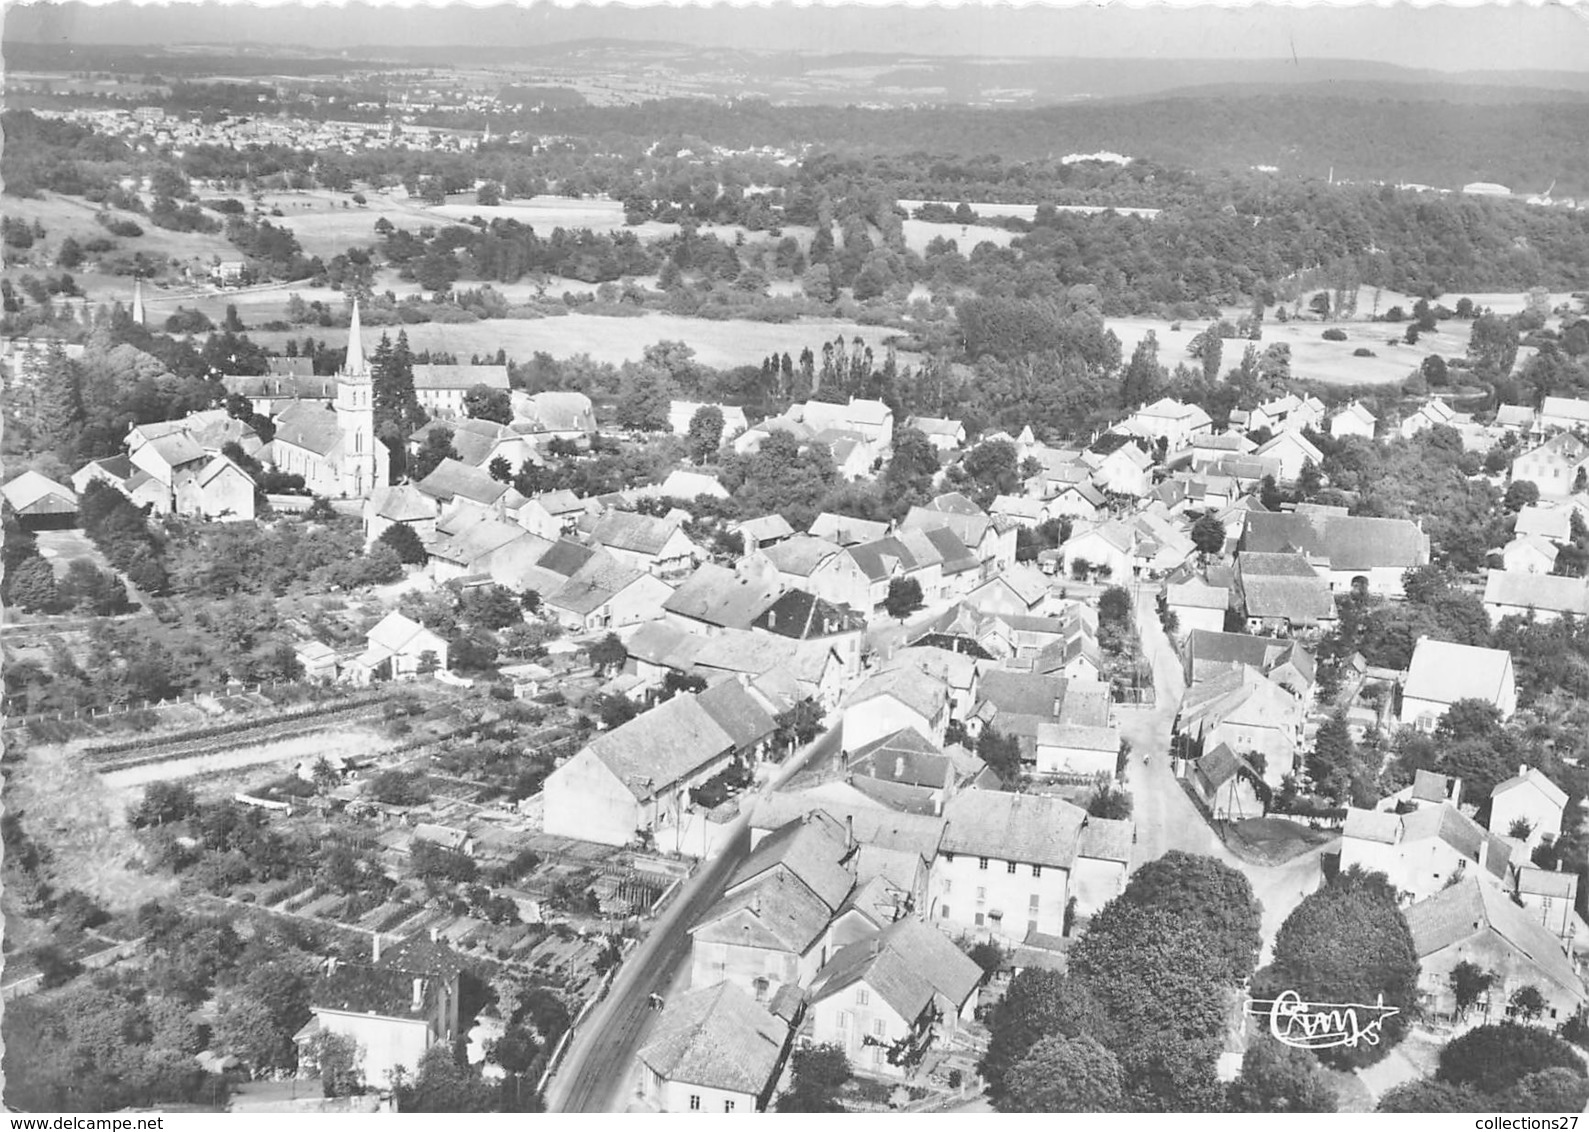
{"points": [[355, 364], [137, 300]]}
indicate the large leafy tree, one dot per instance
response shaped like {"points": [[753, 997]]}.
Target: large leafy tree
{"points": [[1063, 1074], [1211, 893], [903, 598], [644, 398], [706, 433], [1429, 1095], [1493, 1057], [1348, 942], [1038, 1004], [1280, 1078], [442, 1084], [484, 403], [819, 1073], [1156, 995], [908, 477]]}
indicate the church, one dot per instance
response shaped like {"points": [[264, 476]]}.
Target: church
{"points": [[334, 448]]}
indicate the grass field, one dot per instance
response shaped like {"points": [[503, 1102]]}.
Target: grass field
{"points": [[1273, 841], [617, 340]]}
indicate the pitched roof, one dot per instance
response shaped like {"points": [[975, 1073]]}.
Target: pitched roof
{"points": [[659, 747], [1554, 523], [453, 478], [477, 541], [813, 848], [1372, 825], [594, 584], [1107, 839], [1022, 693], [906, 757], [873, 826], [1548, 592], [565, 557], [800, 555], [1079, 737], [437, 376], [30, 489], [1031, 828], [1444, 672], [738, 711], [634, 532], [763, 527], [720, 596], [1349, 542], [718, 1038], [1220, 765], [1206, 647], [1458, 913], [804, 616], [1428, 786], [774, 910], [908, 964], [403, 503], [923, 694], [395, 632], [845, 530], [1532, 776], [383, 991], [555, 411], [1459, 831], [309, 425], [1283, 585]]}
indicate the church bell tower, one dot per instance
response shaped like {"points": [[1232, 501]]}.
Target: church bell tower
{"points": [[362, 454]]}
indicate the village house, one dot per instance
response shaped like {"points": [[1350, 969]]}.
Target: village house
{"points": [[1016, 703], [1527, 799], [1106, 549], [393, 1008], [1076, 751], [1473, 922], [554, 415], [1227, 785], [552, 514], [1020, 590], [1197, 605], [1422, 850], [1554, 466], [1547, 597], [763, 531], [871, 421], [477, 443], [1441, 673], [820, 567], [715, 598], [455, 486], [605, 594], [713, 1050], [634, 781], [801, 616], [957, 671], [992, 546], [1252, 715], [397, 647], [681, 413], [1551, 895], [1353, 420], [845, 530], [1169, 420], [910, 554], [888, 999], [1282, 594], [400, 504], [1563, 413], [1209, 655], [657, 546], [1293, 451], [1529, 554], [900, 697], [906, 771], [441, 388], [1357, 553], [41, 503], [1119, 467], [1431, 414], [943, 434], [1552, 523], [1428, 789], [218, 490], [1515, 419]]}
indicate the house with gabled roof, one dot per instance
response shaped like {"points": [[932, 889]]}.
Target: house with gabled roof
{"points": [[217, 490], [1105, 546], [715, 598], [1428, 788], [605, 593], [40, 502], [1251, 714], [397, 647], [1529, 554], [1422, 850], [1020, 590], [1547, 597], [682, 413], [1431, 414], [763, 531], [713, 1050], [1443, 672], [453, 481], [636, 778], [889, 998], [768, 933], [657, 546], [820, 567], [551, 514], [1282, 593], [1551, 896], [1209, 655], [907, 771], [942, 433], [1123, 470], [893, 845], [1171, 421], [441, 388], [1357, 553], [802, 616], [467, 553], [899, 697], [400, 504], [1018, 703], [1474, 922], [554, 414], [1553, 466], [1293, 451], [1076, 751], [1197, 605], [846, 530], [1565, 413], [1227, 784], [1529, 797], [1353, 420], [1550, 522]]}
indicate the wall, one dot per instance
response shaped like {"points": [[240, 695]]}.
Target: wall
{"points": [[387, 1042], [880, 716], [960, 891], [1490, 952], [585, 801], [847, 1016]]}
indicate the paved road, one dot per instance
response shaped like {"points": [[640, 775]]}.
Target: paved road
{"points": [[597, 1073], [1166, 818]]}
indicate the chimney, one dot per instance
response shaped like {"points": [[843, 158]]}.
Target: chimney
{"points": [[877, 945], [1484, 852], [419, 994], [849, 831], [375, 947], [772, 619], [1522, 770], [899, 766], [755, 904], [435, 935]]}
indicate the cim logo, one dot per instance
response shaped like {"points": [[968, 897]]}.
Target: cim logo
{"points": [[1321, 1025]]}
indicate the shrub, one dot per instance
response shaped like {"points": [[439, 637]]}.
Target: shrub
{"points": [[1335, 334], [1362, 352]]}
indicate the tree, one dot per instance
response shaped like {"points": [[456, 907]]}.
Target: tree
{"points": [[819, 1073], [1109, 801], [1348, 942], [405, 542], [1547, 1090], [1280, 1078], [165, 802], [484, 403], [1492, 346], [1065, 1075], [1144, 376], [30, 585], [988, 955], [336, 1060], [608, 654], [706, 433], [1114, 607], [437, 447], [1002, 753], [908, 476], [1037, 1004], [1520, 494], [1527, 1003], [1217, 896], [1208, 535], [904, 597], [645, 397], [1430, 1095], [1494, 1056], [1469, 983]]}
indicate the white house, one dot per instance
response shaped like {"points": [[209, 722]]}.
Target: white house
{"points": [[1546, 596], [1293, 450], [713, 1050], [400, 647], [1429, 415], [900, 697], [1529, 554], [1529, 798], [1441, 673], [1353, 420]]}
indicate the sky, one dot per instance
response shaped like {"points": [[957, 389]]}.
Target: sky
{"points": [[1443, 37]]}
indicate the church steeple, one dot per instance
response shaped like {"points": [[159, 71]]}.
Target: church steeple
{"points": [[355, 365]]}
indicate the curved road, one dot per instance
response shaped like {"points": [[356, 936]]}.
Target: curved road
{"points": [[596, 1073], [1166, 818]]}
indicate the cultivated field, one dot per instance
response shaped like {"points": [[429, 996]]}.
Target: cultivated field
{"points": [[360, 742], [721, 344]]}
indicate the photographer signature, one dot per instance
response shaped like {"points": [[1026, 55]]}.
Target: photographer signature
{"points": [[1321, 1025]]}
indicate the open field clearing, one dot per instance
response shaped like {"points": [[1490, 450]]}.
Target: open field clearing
{"points": [[723, 344], [83, 822], [920, 233], [360, 742], [1029, 211]]}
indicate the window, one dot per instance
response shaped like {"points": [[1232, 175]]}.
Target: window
{"points": [[1010, 868], [982, 862], [979, 919], [1034, 904], [982, 894], [947, 886], [949, 858], [695, 1102], [1037, 870], [728, 1106], [943, 912], [844, 1021], [879, 1028], [862, 998]]}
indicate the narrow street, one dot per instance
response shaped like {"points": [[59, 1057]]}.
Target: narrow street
{"points": [[1166, 818], [597, 1074]]}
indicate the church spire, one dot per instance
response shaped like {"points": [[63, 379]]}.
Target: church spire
{"points": [[137, 300], [354, 363]]}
